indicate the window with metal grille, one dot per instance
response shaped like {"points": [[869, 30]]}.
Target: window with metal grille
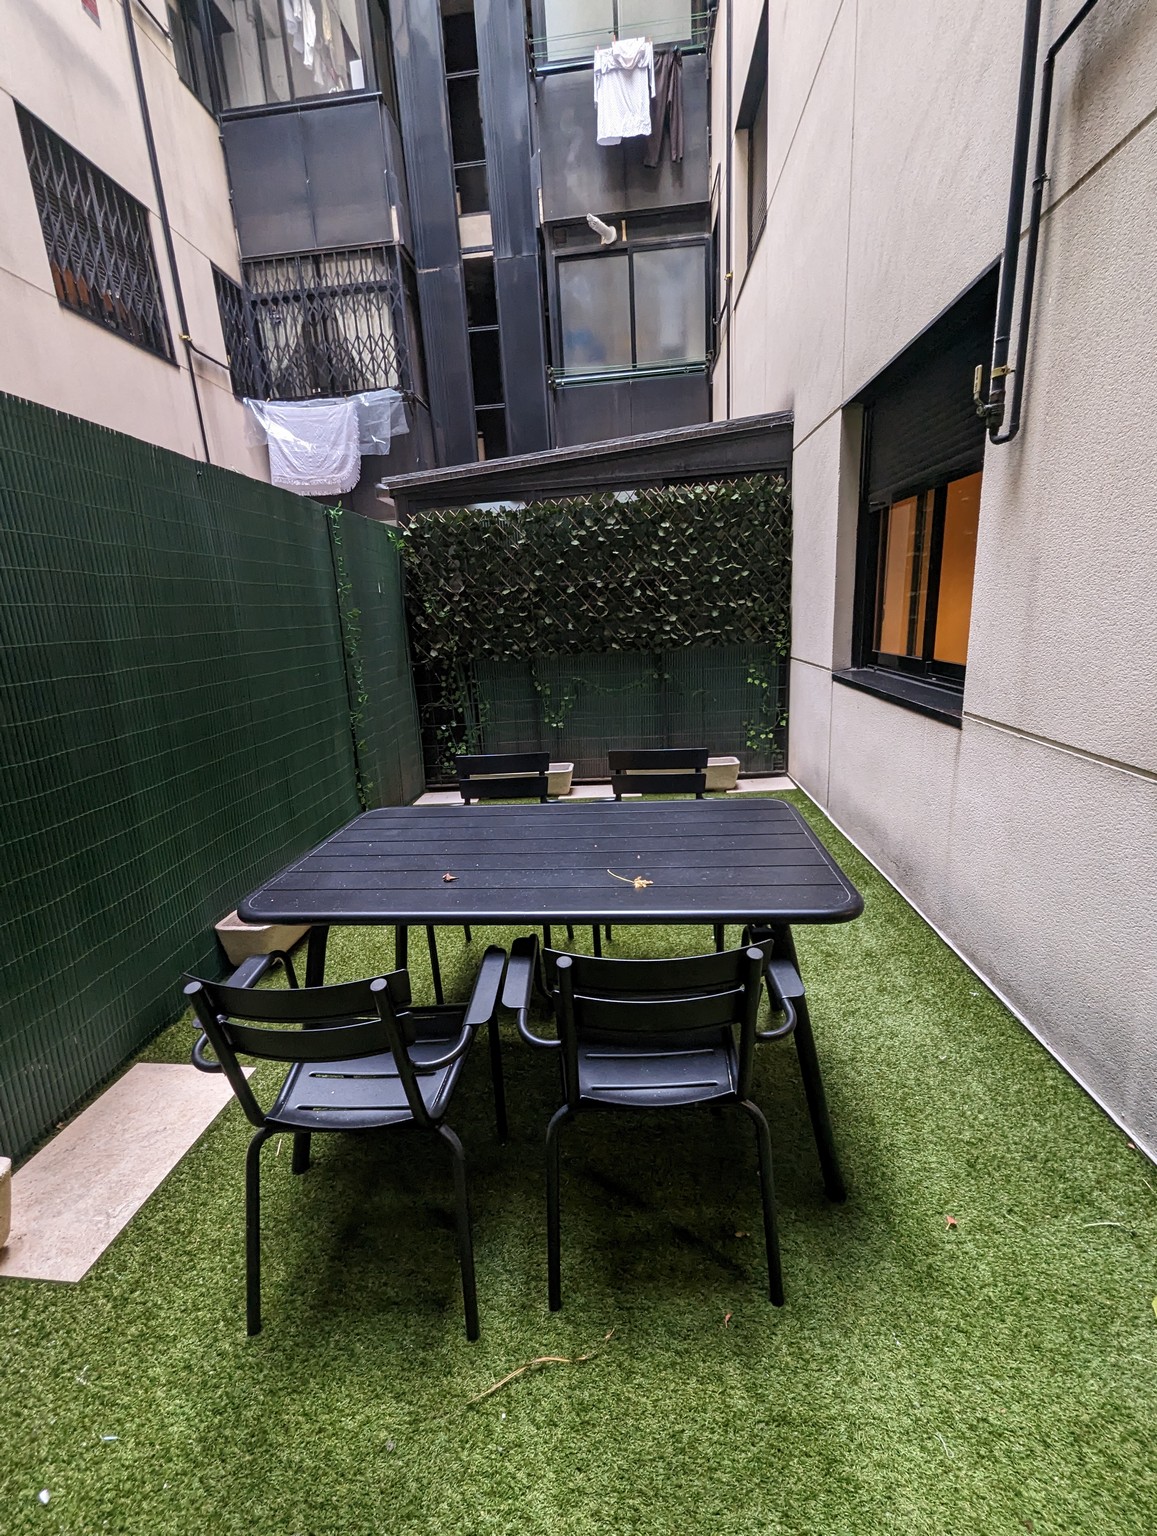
{"points": [[246, 364], [98, 241], [326, 323]]}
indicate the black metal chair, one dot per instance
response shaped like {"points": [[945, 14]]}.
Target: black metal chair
{"points": [[660, 771], [363, 1059], [651, 1034]]}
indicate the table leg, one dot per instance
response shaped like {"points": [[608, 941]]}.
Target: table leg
{"points": [[315, 955], [813, 1083]]}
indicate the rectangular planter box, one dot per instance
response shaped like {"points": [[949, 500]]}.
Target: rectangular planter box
{"points": [[240, 940], [722, 772]]}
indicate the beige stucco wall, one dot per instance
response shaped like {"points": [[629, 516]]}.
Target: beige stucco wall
{"points": [[1029, 836], [77, 77]]}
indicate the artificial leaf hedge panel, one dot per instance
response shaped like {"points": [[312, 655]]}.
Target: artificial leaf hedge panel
{"points": [[646, 572]]}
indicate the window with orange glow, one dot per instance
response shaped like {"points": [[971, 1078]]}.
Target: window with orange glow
{"points": [[925, 558]]}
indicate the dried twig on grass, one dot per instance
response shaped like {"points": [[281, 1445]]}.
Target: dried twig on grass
{"points": [[536, 1365]]}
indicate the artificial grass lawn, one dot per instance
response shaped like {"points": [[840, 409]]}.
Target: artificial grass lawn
{"points": [[996, 1376]]}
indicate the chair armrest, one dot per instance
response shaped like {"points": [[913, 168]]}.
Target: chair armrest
{"points": [[783, 984], [487, 986], [479, 1010], [247, 974], [519, 989]]}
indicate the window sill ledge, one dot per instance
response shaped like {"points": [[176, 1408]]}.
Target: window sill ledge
{"points": [[915, 693]]}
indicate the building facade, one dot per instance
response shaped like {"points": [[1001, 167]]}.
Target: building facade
{"points": [[316, 198], [974, 654]]}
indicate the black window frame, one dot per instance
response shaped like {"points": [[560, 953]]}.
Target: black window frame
{"points": [[948, 454], [747, 121], [627, 251], [98, 239], [190, 32], [872, 533]]}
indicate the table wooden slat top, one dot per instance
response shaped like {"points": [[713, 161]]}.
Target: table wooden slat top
{"points": [[707, 861]]}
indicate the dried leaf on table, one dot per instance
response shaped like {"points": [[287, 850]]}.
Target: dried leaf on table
{"points": [[638, 881]]}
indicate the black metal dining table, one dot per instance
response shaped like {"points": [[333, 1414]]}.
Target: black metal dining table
{"points": [[670, 862], [743, 861]]}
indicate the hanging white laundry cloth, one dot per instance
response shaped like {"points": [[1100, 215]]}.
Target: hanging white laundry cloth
{"points": [[313, 444], [624, 85]]}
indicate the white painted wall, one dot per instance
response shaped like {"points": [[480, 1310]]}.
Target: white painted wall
{"points": [[1030, 834], [77, 78]]}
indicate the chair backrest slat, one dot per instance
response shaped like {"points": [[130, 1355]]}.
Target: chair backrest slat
{"points": [[303, 1005], [601, 976], [655, 758], [326, 1042]]}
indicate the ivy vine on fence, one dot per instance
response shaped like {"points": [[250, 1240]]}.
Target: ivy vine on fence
{"points": [[648, 572]]}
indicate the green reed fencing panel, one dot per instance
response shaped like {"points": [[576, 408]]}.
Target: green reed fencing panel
{"points": [[578, 707], [369, 580], [651, 617], [175, 726]]}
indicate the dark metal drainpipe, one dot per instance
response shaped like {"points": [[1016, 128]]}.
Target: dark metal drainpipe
{"points": [[163, 213], [993, 409]]}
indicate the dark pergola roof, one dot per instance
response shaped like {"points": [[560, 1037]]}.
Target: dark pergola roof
{"points": [[714, 450]]}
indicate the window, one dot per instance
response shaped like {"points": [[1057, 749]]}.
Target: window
{"points": [[485, 356], [573, 29], [99, 245], [460, 45], [641, 307], [327, 323], [247, 369], [752, 124], [920, 516], [926, 551], [283, 50], [191, 55]]}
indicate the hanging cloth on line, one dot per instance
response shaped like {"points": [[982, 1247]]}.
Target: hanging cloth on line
{"points": [[624, 85], [668, 107], [316, 446]]}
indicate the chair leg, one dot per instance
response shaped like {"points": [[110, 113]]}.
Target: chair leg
{"points": [[497, 1080], [596, 939], [253, 1232], [465, 1239], [435, 968], [720, 938], [767, 1190], [401, 947], [607, 932], [553, 1221], [466, 934], [301, 1141], [570, 933], [546, 938]]}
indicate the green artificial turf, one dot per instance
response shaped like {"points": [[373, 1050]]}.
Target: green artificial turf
{"points": [[992, 1377]]}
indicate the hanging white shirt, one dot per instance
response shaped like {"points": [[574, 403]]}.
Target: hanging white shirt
{"points": [[624, 85]]}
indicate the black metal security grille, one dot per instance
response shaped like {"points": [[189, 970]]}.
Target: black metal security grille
{"points": [[246, 362], [326, 323], [98, 241]]}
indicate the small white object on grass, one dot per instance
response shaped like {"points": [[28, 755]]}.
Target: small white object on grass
{"points": [[44, 1495]]}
